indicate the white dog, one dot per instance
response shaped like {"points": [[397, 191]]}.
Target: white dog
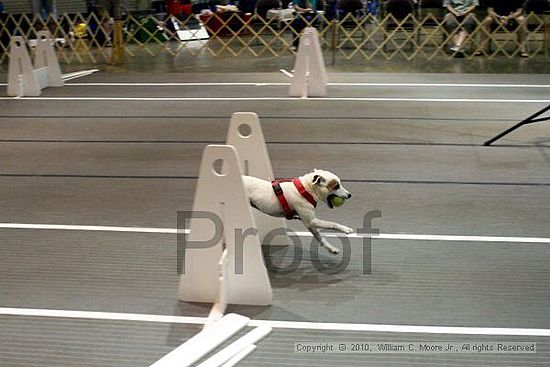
{"points": [[297, 199]]}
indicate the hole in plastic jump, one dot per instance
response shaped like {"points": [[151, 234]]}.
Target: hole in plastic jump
{"points": [[218, 167], [245, 130]]}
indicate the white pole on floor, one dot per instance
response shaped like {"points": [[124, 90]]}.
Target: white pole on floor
{"points": [[240, 356], [236, 347], [204, 342]]}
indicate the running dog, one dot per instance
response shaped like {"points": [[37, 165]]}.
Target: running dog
{"points": [[297, 198]]}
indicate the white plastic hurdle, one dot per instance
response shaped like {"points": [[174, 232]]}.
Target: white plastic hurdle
{"points": [[220, 190], [222, 274], [226, 272], [310, 75], [23, 79], [245, 134]]}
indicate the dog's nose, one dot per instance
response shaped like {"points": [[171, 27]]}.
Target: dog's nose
{"points": [[349, 196]]}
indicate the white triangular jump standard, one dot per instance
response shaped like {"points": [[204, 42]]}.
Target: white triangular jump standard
{"points": [[310, 75], [221, 191], [23, 79], [245, 134], [45, 57]]}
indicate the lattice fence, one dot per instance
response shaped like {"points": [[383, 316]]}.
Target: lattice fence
{"points": [[88, 39]]}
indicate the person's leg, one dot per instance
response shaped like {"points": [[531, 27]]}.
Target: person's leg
{"points": [[298, 24], [54, 8], [467, 27], [485, 30], [104, 16], [451, 24], [43, 9], [522, 36], [35, 6], [51, 11], [460, 36]]}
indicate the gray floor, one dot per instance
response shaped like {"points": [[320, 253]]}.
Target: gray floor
{"points": [[130, 163]]}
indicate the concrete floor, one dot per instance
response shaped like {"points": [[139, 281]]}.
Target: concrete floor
{"points": [[230, 64], [135, 163], [204, 62]]}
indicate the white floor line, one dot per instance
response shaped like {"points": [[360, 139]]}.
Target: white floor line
{"points": [[397, 85], [279, 324], [95, 315], [316, 99], [382, 236], [260, 84], [64, 227], [190, 84], [438, 85]]}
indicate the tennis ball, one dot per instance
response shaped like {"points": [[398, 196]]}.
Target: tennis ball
{"points": [[338, 201]]}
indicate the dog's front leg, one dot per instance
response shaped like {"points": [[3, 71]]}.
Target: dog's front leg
{"points": [[314, 224], [310, 221], [325, 224], [323, 242]]}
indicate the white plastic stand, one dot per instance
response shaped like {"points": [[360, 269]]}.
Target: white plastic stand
{"points": [[221, 192], [310, 75], [245, 134], [218, 309], [45, 57], [23, 79]]}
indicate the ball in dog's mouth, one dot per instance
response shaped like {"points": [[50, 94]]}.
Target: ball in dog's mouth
{"points": [[335, 201]]}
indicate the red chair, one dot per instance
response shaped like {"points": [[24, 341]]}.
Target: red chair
{"points": [[176, 8]]}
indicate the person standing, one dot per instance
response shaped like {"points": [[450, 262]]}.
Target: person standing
{"points": [[305, 13], [460, 16], [346, 7], [508, 14], [44, 8]]}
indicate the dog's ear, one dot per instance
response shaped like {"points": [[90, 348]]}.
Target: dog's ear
{"points": [[318, 180]]}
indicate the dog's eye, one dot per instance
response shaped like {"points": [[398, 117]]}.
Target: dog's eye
{"points": [[337, 187]]}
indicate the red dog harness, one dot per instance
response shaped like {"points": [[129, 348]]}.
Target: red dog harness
{"points": [[289, 212]]}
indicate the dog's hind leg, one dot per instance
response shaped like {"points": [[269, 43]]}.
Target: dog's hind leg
{"points": [[323, 242]]}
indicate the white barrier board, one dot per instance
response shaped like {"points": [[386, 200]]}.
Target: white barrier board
{"points": [[245, 134], [220, 191], [310, 75]]}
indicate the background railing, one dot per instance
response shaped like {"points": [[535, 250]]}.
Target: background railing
{"points": [[88, 39]]}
